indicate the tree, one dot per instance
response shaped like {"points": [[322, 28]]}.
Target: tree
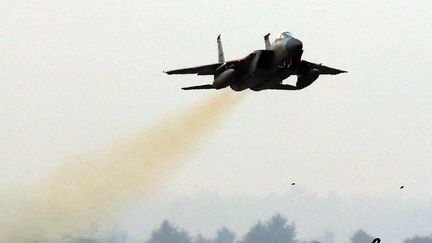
{"points": [[167, 233], [275, 230], [77, 240], [419, 239], [279, 231], [201, 239], [361, 237], [257, 234], [224, 235]]}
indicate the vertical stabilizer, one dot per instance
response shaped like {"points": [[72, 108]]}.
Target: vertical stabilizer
{"points": [[267, 41], [220, 50]]}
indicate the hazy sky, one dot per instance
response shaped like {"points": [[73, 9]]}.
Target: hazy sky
{"points": [[77, 75]]}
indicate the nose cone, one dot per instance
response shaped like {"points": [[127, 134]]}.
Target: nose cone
{"points": [[293, 45]]}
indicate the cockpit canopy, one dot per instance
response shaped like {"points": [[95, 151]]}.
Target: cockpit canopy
{"points": [[285, 35]]}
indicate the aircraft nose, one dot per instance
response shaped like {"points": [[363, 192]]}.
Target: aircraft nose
{"points": [[294, 45]]}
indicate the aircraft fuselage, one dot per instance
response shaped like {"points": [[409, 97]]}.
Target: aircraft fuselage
{"points": [[270, 67]]}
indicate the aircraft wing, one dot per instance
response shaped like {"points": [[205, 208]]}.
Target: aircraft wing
{"points": [[200, 70], [211, 68], [323, 69]]}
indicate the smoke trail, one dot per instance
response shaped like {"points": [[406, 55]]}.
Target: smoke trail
{"points": [[80, 192]]}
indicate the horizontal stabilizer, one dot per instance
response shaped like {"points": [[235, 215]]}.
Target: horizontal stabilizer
{"points": [[205, 86]]}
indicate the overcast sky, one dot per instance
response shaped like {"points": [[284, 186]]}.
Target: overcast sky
{"points": [[75, 75]]}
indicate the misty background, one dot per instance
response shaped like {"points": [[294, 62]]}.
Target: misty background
{"points": [[76, 76]]}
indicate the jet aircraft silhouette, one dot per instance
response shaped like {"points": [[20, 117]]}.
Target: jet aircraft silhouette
{"points": [[262, 69]]}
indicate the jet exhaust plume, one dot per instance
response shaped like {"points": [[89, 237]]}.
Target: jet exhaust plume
{"points": [[79, 193]]}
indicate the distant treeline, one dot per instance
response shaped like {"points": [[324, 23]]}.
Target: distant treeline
{"points": [[275, 230]]}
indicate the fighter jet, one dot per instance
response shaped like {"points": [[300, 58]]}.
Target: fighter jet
{"points": [[262, 69]]}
